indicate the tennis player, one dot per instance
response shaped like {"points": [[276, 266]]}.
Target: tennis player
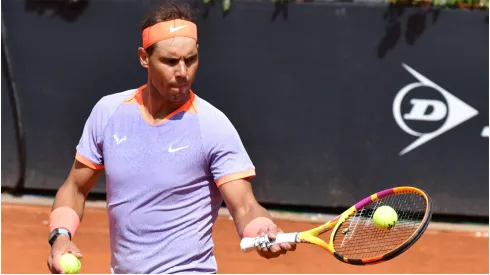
{"points": [[170, 159]]}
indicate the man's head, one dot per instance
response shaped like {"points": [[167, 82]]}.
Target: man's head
{"points": [[169, 51]]}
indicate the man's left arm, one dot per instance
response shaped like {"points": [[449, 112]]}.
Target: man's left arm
{"points": [[251, 219], [232, 170]]}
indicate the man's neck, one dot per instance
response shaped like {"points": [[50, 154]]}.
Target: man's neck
{"points": [[156, 107]]}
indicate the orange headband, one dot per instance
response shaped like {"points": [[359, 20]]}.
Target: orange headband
{"points": [[168, 29]]}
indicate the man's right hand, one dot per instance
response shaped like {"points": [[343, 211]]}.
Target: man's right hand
{"points": [[61, 246]]}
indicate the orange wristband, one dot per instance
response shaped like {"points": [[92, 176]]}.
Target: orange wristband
{"points": [[64, 217], [253, 227]]}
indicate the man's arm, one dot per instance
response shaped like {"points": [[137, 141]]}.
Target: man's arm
{"points": [[251, 219], [232, 168], [67, 211], [241, 203], [76, 187]]}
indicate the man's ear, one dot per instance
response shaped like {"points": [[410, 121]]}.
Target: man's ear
{"points": [[143, 57]]}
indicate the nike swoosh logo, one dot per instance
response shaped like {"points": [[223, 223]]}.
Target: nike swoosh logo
{"points": [[172, 150], [172, 29]]}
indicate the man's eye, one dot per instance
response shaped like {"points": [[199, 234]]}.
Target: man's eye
{"points": [[191, 59], [171, 61]]}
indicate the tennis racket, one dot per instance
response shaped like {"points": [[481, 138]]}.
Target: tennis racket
{"points": [[355, 239]]}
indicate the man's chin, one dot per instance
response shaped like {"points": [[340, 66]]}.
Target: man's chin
{"points": [[179, 96]]}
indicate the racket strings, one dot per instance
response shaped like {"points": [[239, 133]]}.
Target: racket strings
{"points": [[359, 238], [352, 226]]}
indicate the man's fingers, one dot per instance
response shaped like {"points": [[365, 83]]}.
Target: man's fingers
{"points": [[285, 246], [264, 251], [272, 231], [263, 231], [275, 248], [75, 252], [50, 265], [55, 263], [57, 267]]}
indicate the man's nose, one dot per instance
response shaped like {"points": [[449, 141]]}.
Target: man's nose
{"points": [[181, 70]]}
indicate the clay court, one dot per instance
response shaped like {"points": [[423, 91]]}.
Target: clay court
{"points": [[440, 250]]}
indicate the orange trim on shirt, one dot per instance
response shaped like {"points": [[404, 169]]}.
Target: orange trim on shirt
{"points": [[88, 163], [136, 97], [236, 176]]}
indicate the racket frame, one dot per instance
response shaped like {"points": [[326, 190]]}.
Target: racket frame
{"points": [[374, 198], [310, 236]]}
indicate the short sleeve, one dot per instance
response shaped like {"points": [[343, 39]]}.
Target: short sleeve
{"points": [[89, 148], [228, 159]]}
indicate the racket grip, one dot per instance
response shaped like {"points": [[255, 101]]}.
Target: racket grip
{"points": [[249, 244]]}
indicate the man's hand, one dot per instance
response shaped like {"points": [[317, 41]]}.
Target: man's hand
{"points": [[251, 219], [61, 246], [277, 249]]}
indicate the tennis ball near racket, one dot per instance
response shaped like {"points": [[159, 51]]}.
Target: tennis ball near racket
{"points": [[385, 217], [70, 263]]}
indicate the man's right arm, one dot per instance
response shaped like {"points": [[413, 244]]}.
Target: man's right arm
{"points": [[69, 203], [76, 187], [71, 196]]}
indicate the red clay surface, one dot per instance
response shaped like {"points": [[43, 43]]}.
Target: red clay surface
{"points": [[25, 249]]}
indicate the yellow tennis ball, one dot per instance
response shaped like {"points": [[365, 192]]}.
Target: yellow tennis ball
{"points": [[385, 217], [70, 263]]}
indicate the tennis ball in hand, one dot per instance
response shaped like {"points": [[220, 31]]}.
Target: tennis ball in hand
{"points": [[385, 217], [70, 263]]}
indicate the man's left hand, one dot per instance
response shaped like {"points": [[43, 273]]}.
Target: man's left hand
{"points": [[277, 249]]}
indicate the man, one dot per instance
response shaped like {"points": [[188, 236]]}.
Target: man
{"points": [[170, 160]]}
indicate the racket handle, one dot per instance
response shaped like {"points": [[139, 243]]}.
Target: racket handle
{"points": [[249, 244]]}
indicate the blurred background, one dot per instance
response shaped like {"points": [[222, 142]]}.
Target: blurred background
{"points": [[334, 100]]}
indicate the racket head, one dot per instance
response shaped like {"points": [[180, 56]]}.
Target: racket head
{"points": [[356, 240]]}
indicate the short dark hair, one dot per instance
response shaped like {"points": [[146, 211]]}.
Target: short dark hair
{"points": [[166, 12]]}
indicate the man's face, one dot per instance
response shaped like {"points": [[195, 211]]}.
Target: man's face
{"points": [[172, 67]]}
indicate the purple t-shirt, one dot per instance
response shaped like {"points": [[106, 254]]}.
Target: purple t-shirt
{"points": [[162, 180]]}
